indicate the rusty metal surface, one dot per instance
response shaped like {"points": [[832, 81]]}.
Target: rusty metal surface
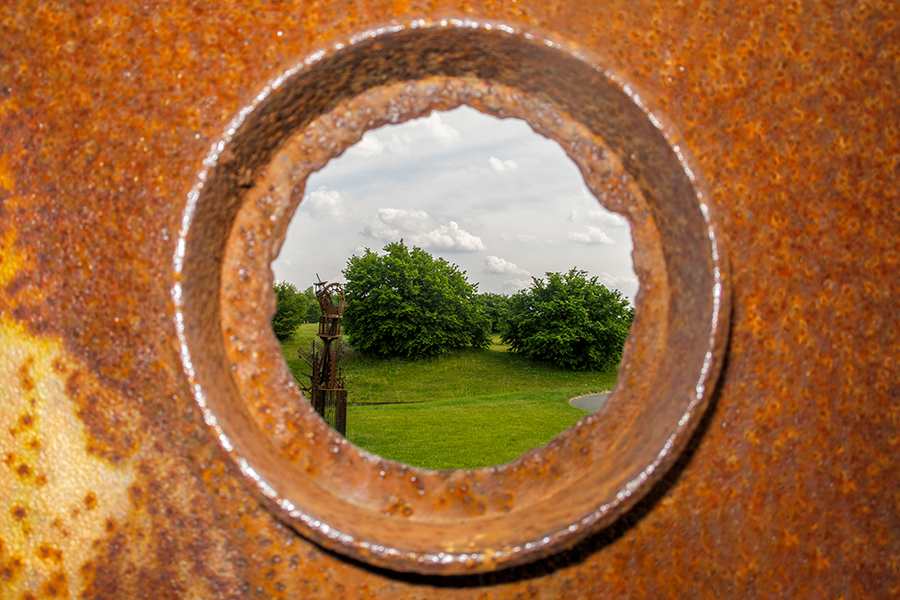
{"points": [[113, 486], [395, 516]]}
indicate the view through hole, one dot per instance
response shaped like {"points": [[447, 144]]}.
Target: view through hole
{"points": [[502, 203]]}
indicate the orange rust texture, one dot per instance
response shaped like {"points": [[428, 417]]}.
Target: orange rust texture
{"points": [[110, 486]]}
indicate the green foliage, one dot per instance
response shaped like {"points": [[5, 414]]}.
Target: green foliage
{"points": [[409, 304], [570, 321], [495, 307], [313, 310], [290, 309]]}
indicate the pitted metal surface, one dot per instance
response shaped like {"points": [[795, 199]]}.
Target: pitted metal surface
{"points": [[114, 484], [396, 516]]}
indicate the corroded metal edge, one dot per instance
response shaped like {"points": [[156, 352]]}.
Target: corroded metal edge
{"points": [[384, 553]]}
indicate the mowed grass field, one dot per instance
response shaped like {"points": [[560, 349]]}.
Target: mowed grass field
{"points": [[464, 410]]}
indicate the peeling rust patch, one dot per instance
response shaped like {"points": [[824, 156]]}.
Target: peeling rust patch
{"points": [[47, 552], [56, 587]]}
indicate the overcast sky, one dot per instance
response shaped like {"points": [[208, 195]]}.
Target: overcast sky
{"points": [[489, 195]]}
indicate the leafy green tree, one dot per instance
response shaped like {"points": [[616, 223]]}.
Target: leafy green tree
{"points": [[495, 307], [406, 303], [570, 321], [313, 310], [290, 309]]}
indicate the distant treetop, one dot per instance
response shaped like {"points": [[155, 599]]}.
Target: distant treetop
{"points": [[570, 321], [406, 303]]}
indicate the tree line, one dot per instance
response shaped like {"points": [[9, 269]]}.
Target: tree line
{"points": [[406, 303], [292, 308]]}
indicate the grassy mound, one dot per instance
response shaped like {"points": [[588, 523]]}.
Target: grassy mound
{"points": [[464, 410]]}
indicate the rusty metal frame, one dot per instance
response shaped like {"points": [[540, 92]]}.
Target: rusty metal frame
{"points": [[151, 441], [430, 529]]}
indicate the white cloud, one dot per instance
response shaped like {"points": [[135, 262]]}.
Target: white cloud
{"points": [[324, 204], [593, 235], [497, 265], [398, 143], [449, 237], [418, 228], [435, 127], [605, 217], [502, 165], [617, 281], [400, 140], [599, 215], [369, 145], [390, 224]]}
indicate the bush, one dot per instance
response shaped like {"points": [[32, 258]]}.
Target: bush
{"points": [[409, 304], [570, 321], [313, 310], [290, 309], [495, 307]]}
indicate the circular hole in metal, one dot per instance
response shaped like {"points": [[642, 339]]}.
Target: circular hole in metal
{"points": [[448, 522], [437, 182]]}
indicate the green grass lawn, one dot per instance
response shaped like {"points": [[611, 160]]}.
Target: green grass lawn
{"points": [[467, 409], [463, 433]]}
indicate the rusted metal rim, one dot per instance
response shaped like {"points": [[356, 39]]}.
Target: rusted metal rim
{"points": [[452, 522]]}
